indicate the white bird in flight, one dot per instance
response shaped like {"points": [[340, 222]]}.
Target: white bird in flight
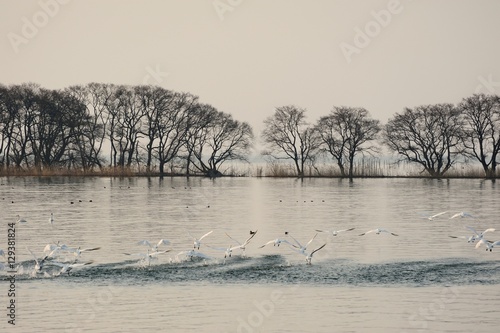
{"points": [[334, 232], [66, 267], [242, 246], [302, 248], [277, 242], [378, 231], [432, 217], [21, 220], [78, 251], [154, 247], [489, 245], [310, 255], [38, 264], [477, 235], [197, 241], [461, 215]]}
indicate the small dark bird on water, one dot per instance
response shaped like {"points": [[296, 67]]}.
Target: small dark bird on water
{"points": [[253, 232]]}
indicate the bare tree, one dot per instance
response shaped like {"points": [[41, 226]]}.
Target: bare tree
{"points": [[428, 135], [225, 139], [345, 133], [95, 97], [289, 136], [172, 127], [199, 119], [482, 135]]}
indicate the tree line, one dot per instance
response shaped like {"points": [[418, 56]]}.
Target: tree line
{"points": [[95, 126], [147, 126], [435, 137]]}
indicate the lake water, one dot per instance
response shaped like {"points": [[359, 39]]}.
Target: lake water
{"points": [[419, 281]]}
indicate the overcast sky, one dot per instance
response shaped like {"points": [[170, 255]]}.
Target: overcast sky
{"points": [[247, 57]]}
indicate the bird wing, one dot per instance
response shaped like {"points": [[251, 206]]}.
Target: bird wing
{"points": [[350, 229], [144, 242], [271, 241], [488, 230], [249, 238], [456, 215], [368, 232], [154, 254], [296, 241], [316, 250], [472, 229], [438, 214], [463, 237], [496, 243], [163, 241], [320, 230], [205, 235], [36, 259], [90, 249], [234, 239], [482, 241], [310, 240]]}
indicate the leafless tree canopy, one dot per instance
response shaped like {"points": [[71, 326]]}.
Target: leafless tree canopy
{"points": [[347, 132], [289, 136], [429, 135], [140, 124], [481, 139]]}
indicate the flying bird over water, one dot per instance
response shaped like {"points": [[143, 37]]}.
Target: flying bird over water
{"points": [[334, 232], [477, 235], [243, 245], [154, 247], [310, 255], [461, 215], [378, 231], [302, 248], [197, 241], [489, 245], [432, 217]]}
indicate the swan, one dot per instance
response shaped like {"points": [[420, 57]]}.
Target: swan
{"points": [[334, 232], [378, 231]]}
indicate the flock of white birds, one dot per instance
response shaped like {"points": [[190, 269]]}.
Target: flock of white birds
{"points": [[59, 258]]}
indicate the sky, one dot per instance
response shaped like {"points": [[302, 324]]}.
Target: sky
{"points": [[247, 57]]}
